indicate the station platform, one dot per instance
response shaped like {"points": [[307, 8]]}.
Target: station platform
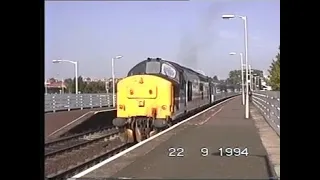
{"points": [[55, 121], [218, 144]]}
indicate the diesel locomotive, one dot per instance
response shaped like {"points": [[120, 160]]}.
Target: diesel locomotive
{"points": [[156, 92]]}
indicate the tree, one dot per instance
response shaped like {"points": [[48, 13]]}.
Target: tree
{"points": [[69, 84], [52, 80], [274, 73], [235, 76], [81, 84], [215, 78], [85, 87], [95, 87]]}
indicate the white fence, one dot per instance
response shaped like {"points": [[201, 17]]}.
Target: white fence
{"points": [[60, 102], [269, 104]]}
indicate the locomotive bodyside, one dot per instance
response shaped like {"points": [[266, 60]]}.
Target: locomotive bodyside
{"points": [[198, 91]]}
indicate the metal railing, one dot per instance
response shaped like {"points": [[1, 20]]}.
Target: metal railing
{"points": [[268, 102], [67, 102]]}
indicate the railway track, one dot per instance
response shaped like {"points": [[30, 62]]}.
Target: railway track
{"points": [[66, 156], [58, 146]]}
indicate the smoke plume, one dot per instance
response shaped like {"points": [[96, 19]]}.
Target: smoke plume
{"points": [[200, 39]]}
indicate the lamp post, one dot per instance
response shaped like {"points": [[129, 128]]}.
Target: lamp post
{"points": [[250, 76], [244, 18], [75, 63], [113, 83], [242, 78], [61, 84]]}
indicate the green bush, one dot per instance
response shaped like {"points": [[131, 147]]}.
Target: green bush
{"points": [[274, 73]]}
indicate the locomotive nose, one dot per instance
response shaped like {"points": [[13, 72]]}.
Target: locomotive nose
{"points": [[142, 89]]}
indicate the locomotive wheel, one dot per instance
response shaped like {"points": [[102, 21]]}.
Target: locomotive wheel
{"points": [[170, 123], [138, 134], [148, 128], [141, 129], [130, 136], [153, 132], [126, 135], [123, 135]]}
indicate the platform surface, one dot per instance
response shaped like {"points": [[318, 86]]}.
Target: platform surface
{"points": [[221, 127], [57, 120]]}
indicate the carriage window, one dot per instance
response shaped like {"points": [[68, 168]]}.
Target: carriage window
{"points": [[201, 90], [201, 87], [218, 90], [189, 91], [153, 67]]}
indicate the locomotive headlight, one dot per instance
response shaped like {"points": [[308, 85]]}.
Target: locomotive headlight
{"points": [[131, 92], [150, 91], [164, 107]]}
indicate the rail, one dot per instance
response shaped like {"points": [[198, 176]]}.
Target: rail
{"points": [[268, 102], [67, 102]]}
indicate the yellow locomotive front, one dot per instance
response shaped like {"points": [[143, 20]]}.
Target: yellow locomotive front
{"points": [[144, 105]]}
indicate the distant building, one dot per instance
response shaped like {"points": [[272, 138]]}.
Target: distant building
{"points": [[92, 79], [53, 86]]}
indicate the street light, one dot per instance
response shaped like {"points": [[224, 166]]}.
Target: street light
{"points": [[113, 83], [244, 18], [228, 16], [61, 91], [75, 69], [242, 78]]}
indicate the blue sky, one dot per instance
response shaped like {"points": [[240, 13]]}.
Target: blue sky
{"points": [[191, 33]]}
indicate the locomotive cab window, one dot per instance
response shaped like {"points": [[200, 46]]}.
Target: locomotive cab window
{"points": [[168, 70], [153, 67], [138, 69]]}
